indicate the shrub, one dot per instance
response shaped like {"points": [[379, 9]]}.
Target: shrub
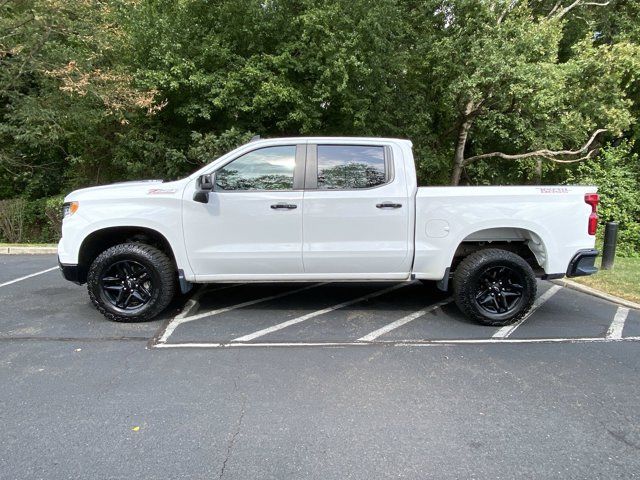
{"points": [[31, 221], [53, 213], [12, 219], [616, 172]]}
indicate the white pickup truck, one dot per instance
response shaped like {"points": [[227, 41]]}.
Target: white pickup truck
{"points": [[323, 209]]}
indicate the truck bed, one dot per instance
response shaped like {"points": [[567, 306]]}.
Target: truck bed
{"points": [[551, 220]]}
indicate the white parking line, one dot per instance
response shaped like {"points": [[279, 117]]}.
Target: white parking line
{"points": [[178, 320], [394, 343], [293, 321], [494, 341], [504, 332], [27, 276], [194, 302], [616, 327], [403, 321]]}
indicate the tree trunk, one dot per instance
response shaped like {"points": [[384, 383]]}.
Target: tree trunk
{"points": [[463, 132], [538, 174]]}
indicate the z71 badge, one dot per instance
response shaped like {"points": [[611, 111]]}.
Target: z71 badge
{"points": [[553, 189]]}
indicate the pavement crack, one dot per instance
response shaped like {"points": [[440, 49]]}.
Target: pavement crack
{"points": [[622, 437], [235, 434]]}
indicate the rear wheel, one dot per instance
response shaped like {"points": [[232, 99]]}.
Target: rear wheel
{"points": [[494, 287], [131, 282]]}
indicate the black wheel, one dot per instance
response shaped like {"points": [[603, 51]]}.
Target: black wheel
{"points": [[494, 287], [131, 282]]}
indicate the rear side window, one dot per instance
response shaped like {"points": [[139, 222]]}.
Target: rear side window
{"points": [[269, 168], [345, 167]]}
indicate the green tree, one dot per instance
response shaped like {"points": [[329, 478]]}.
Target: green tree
{"points": [[66, 99], [499, 89], [616, 172]]}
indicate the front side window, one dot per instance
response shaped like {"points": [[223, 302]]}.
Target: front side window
{"points": [[269, 168], [349, 166]]}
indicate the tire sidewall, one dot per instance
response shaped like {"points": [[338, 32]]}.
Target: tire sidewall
{"points": [[522, 302], [111, 256], [466, 288]]}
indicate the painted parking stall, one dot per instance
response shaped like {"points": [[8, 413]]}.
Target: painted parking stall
{"points": [[569, 314], [36, 303], [360, 314]]}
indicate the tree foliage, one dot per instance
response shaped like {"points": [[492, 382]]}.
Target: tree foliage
{"points": [[490, 92], [617, 174]]}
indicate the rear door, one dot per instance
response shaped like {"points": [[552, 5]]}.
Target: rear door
{"points": [[356, 212]]}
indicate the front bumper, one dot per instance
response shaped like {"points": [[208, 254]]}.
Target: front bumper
{"points": [[73, 273], [583, 263]]}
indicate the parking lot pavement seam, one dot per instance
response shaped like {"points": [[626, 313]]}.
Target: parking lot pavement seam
{"points": [[506, 331], [403, 343], [403, 321], [72, 339], [302, 318]]}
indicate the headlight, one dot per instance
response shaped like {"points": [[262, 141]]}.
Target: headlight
{"points": [[69, 209]]}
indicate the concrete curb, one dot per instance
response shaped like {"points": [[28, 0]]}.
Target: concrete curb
{"points": [[26, 250], [596, 293]]}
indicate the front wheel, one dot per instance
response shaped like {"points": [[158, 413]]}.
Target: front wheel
{"points": [[131, 282], [494, 287]]}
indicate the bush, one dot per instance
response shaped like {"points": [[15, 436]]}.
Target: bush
{"points": [[31, 221], [53, 213], [616, 172], [12, 219]]}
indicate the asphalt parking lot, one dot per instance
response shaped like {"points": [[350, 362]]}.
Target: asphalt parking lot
{"points": [[313, 381]]}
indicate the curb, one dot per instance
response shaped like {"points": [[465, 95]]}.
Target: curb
{"points": [[26, 250], [596, 293]]}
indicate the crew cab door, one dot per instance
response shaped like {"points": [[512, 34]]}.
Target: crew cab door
{"points": [[356, 212], [251, 228]]}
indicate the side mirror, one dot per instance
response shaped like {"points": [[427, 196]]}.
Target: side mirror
{"points": [[204, 184]]}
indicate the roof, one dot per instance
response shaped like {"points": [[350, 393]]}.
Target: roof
{"points": [[329, 139]]}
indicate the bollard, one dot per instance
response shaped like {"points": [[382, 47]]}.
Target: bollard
{"points": [[609, 246]]}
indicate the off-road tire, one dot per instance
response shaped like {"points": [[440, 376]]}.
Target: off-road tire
{"points": [[467, 278], [158, 264]]}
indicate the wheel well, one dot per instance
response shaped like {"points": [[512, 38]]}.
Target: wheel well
{"points": [[100, 240], [522, 242]]}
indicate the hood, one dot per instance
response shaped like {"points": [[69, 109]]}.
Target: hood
{"points": [[124, 189]]}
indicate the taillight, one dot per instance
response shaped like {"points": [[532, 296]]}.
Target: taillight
{"points": [[592, 199]]}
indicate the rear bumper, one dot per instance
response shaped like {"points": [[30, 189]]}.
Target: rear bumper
{"points": [[72, 273], [583, 263]]}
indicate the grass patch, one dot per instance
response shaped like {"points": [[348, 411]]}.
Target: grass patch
{"points": [[623, 281]]}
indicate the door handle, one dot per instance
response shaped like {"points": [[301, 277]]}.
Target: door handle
{"points": [[388, 205], [286, 206]]}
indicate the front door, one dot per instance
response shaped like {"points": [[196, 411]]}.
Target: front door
{"points": [[252, 226], [356, 213]]}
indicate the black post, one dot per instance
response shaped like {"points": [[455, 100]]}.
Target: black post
{"points": [[609, 247]]}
